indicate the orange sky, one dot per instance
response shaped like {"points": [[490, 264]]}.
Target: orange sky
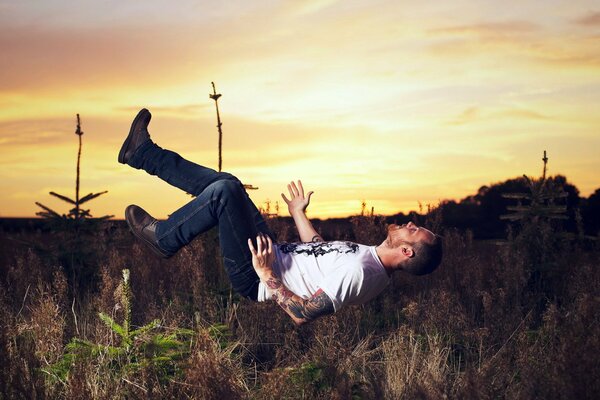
{"points": [[392, 102]]}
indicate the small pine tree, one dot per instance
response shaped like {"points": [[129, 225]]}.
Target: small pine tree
{"points": [[74, 247], [540, 203], [76, 214], [539, 239]]}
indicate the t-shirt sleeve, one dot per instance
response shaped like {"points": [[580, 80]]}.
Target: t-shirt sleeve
{"points": [[342, 285]]}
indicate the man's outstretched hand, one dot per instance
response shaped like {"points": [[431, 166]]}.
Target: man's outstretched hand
{"points": [[297, 208], [300, 310], [262, 256], [298, 201]]}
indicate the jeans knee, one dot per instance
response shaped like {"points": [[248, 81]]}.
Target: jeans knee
{"points": [[227, 187], [226, 176]]}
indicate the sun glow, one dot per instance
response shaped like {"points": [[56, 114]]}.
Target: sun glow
{"points": [[372, 102]]}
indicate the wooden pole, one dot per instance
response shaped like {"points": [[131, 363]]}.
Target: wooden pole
{"points": [[79, 133], [215, 96]]}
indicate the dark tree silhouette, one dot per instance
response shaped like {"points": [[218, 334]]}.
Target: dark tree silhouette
{"points": [[590, 212]]}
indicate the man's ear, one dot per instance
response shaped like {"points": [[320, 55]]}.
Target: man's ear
{"points": [[408, 251]]}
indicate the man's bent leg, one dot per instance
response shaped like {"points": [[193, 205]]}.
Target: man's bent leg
{"points": [[174, 169], [225, 204], [186, 175]]}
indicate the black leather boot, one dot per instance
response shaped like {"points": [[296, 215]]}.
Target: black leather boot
{"points": [[138, 134], [143, 225]]}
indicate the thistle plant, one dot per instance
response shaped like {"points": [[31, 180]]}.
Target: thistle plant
{"points": [[149, 346]]}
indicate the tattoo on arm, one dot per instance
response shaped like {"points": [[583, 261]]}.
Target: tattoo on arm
{"points": [[301, 310], [273, 283], [319, 304], [317, 238]]}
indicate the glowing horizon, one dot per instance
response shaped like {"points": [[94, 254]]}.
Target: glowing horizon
{"points": [[363, 101]]}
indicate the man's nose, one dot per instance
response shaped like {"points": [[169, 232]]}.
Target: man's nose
{"points": [[410, 225]]}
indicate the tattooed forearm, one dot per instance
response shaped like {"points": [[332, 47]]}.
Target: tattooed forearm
{"points": [[273, 283], [301, 310], [318, 305], [282, 296]]}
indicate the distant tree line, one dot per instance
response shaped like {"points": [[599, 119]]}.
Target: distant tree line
{"points": [[481, 212]]}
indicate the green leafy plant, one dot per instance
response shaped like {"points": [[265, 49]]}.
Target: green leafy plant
{"points": [[221, 334], [149, 346], [311, 374]]}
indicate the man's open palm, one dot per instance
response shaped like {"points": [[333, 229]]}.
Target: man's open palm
{"points": [[298, 201]]}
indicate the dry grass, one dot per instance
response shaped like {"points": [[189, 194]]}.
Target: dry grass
{"points": [[415, 365], [487, 324]]}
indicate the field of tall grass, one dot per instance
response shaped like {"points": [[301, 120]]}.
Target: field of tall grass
{"points": [[514, 319]]}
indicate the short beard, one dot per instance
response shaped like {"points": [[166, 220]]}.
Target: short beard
{"points": [[399, 243]]}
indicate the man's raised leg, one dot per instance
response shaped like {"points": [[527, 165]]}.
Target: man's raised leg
{"points": [[140, 152], [221, 201]]}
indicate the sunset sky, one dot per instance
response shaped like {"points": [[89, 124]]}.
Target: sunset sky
{"points": [[390, 102]]}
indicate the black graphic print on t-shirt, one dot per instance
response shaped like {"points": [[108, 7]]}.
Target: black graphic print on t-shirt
{"points": [[318, 249]]}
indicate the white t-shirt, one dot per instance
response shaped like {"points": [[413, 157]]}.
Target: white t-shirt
{"points": [[347, 272]]}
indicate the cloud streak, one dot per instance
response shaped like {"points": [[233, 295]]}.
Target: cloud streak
{"points": [[590, 19], [489, 30], [475, 114]]}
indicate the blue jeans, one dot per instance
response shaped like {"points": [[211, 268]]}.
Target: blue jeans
{"points": [[221, 200]]}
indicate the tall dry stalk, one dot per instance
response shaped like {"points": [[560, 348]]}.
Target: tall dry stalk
{"points": [[415, 364]]}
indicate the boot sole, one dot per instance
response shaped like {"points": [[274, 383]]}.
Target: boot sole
{"points": [[151, 245], [143, 113]]}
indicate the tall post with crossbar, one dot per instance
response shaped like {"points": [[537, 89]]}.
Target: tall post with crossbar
{"points": [[215, 96]]}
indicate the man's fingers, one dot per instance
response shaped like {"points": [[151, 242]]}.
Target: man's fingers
{"points": [[262, 244], [269, 245], [308, 196], [251, 246], [295, 189], [266, 241], [259, 244]]}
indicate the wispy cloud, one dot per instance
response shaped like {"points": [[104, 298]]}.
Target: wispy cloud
{"points": [[37, 58], [522, 114], [476, 114], [467, 116], [589, 19], [489, 29], [579, 58], [189, 110], [309, 6], [35, 132], [514, 45]]}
